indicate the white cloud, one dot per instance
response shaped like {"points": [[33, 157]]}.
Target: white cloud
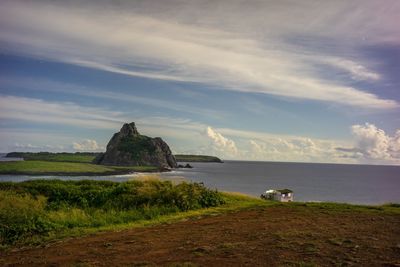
{"points": [[373, 145], [65, 113], [395, 145], [25, 147], [220, 145], [250, 145], [295, 149], [67, 88], [144, 43], [87, 145], [19, 147], [358, 71]]}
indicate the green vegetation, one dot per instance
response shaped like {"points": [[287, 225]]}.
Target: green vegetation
{"points": [[197, 158], [85, 157], [35, 210], [40, 210], [137, 146], [32, 167]]}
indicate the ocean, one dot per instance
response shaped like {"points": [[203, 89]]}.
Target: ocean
{"points": [[357, 184]]}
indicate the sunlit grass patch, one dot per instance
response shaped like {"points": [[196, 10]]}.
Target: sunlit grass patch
{"points": [[37, 167]]}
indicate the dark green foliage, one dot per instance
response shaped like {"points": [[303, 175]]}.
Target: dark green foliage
{"points": [[119, 196], [21, 216], [42, 205], [137, 146], [197, 158]]}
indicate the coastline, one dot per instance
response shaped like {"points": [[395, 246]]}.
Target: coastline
{"points": [[108, 173]]}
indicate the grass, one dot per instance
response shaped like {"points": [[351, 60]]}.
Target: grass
{"points": [[34, 212], [44, 209], [36, 167], [63, 157]]}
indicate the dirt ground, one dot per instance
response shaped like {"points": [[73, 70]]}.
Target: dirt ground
{"points": [[268, 236]]}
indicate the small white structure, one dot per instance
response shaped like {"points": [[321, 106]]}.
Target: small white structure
{"points": [[282, 195]]}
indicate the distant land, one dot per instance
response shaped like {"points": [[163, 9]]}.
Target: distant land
{"points": [[86, 157], [127, 151], [77, 164], [197, 158], [90, 156]]}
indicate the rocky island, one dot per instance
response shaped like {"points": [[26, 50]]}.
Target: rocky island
{"points": [[129, 148]]}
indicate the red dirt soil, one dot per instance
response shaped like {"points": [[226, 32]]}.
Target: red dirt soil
{"points": [[267, 236]]}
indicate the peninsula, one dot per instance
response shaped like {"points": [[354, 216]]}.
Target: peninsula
{"points": [[197, 158]]}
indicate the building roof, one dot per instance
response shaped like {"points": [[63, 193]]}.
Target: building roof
{"points": [[284, 191]]}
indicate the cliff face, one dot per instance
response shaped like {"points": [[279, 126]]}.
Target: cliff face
{"points": [[129, 148]]}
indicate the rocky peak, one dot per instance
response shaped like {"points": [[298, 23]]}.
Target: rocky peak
{"points": [[129, 148], [129, 129]]}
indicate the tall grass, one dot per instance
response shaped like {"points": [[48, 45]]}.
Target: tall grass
{"points": [[85, 157], [32, 208], [22, 215], [45, 167]]}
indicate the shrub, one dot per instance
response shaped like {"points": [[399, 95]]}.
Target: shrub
{"points": [[119, 196], [21, 215], [37, 207]]}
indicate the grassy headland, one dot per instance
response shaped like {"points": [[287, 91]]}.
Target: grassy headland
{"points": [[191, 226], [36, 211], [36, 167], [197, 158]]}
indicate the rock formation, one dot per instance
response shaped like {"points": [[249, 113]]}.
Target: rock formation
{"points": [[129, 148]]}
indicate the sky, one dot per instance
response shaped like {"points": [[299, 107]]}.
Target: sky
{"points": [[301, 81]]}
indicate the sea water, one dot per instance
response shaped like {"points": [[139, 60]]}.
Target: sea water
{"points": [[357, 184]]}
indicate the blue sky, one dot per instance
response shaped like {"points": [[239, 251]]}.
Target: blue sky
{"points": [[253, 80]]}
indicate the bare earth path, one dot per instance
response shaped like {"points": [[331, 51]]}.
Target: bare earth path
{"points": [[268, 236]]}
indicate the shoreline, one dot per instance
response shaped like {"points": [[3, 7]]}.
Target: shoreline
{"points": [[108, 173]]}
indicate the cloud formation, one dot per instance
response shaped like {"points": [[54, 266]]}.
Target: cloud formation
{"points": [[87, 145], [141, 42], [47, 85], [19, 147], [65, 113], [220, 145], [371, 144], [296, 149], [374, 143]]}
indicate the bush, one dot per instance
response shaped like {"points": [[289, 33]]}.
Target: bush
{"points": [[21, 216], [37, 207], [119, 196]]}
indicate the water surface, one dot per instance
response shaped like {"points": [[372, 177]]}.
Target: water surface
{"points": [[359, 184]]}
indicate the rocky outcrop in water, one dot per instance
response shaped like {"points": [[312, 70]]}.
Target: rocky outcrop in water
{"points": [[129, 148]]}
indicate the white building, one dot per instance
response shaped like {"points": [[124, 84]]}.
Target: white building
{"points": [[282, 195]]}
